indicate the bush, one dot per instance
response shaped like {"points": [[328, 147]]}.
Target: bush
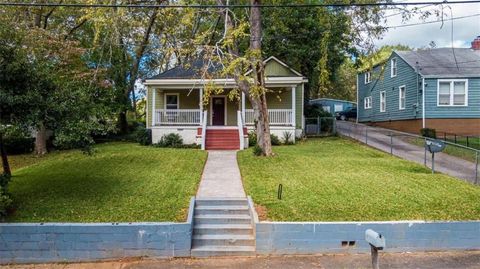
{"points": [[18, 140], [252, 139], [171, 140], [315, 110], [428, 132], [142, 135], [287, 138], [5, 203], [257, 150], [275, 140]]}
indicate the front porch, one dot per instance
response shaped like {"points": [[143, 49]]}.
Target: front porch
{"points": [[184, 107]]}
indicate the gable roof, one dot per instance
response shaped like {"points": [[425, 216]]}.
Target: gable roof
{"points": [[194, 70], [441, 61]]}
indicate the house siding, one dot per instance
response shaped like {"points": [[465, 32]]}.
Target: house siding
{"points": [[382, 81], [433, 111]]}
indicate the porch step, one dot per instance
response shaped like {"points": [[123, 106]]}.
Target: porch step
{"points": [[219, 139], [221, 209], [222, 219]]}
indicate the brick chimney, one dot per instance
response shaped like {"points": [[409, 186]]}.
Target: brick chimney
{"points": [[476, 43]]}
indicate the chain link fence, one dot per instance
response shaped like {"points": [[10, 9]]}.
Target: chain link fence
{"points": [[320, 126], [456, 160]]}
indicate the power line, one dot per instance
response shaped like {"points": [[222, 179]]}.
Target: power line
{"points": [[430, 22], [353, 4]]}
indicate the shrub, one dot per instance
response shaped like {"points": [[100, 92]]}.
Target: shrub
{"points": [[275, 140], [18, 140], [257, 150], [171, 140], [428, 132], [5, 203], [287, 138], [252, 139], [142, 135]]}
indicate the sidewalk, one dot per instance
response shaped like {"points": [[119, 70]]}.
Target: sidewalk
{"points": [[221, 176], [437, 260], [378, 138]]}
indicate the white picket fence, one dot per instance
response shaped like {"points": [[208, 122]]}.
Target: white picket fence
{"points": [[276, 116]]}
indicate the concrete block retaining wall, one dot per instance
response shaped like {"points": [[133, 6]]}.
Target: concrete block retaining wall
{"points": [[327, 237], [58, 242]]}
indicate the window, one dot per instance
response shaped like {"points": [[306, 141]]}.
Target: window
{"points": [[401, 97], [171, 101], [367, 102], [368, 77], [383, 101], [393, 67], [453, 92]]}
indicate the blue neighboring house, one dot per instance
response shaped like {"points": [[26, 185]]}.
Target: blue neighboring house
{"points": [[434, 88], [333, 105]]}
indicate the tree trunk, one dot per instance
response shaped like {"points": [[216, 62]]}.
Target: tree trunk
{"points": [[41, 140], [260, 108], [3, 152]]}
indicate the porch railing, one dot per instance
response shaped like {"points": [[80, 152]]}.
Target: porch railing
{"points": [[177, 116], [276, 116]]}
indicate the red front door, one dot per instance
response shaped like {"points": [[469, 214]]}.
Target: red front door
{"points": [[218, 111]]}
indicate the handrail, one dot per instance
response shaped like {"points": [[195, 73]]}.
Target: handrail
{"points": [[204, 129], [240, 129]]}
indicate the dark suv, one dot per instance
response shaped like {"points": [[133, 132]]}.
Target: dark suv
{"points": [[350, 113]]}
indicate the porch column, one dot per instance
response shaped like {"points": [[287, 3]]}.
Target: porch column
{"points": [[200, 105], [243, 107], [293, 106], [154, 93]]}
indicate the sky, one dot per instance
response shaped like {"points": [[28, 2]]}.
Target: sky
{"points": [[464, 30]]}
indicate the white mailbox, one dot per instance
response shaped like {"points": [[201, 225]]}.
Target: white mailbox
{"points": [[375, 239]]}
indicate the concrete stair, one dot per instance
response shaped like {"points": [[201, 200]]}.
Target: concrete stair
{"points": [[222, 139], [222, 227]]}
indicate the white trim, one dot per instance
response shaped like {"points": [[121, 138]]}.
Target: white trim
{"points": [[211, 109], [400, 97], [358, 115], [303, 105], [154, 93], [165, 94], [278, 61], [391, 67], [423, 102], [367, 103], [225, 83], [383, 101], [368, 77], [200, 105], [294, 107], [452, 92]]}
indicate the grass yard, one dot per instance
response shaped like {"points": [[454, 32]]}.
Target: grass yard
{"points": [[121, 182], [334, 179]]}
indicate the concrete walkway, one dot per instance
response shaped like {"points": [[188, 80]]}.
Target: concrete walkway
{"points": [[221, 176], [380, 138]]}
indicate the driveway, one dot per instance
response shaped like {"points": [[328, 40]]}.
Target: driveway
{"points": [[380, 138]]}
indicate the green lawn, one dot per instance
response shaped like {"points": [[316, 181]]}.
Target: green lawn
{"points": [[121, 182], [334, 179]]}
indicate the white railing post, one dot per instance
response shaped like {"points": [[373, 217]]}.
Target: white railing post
{"points": [[293, 106], [243, 105], [154, 111], [240, 129], [201, 105], [204, 129]]}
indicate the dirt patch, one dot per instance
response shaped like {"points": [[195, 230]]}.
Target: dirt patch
{"points": [[261, 212]]}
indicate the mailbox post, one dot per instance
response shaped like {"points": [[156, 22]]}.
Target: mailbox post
{"points": [[377, 242], [433, 146]]}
